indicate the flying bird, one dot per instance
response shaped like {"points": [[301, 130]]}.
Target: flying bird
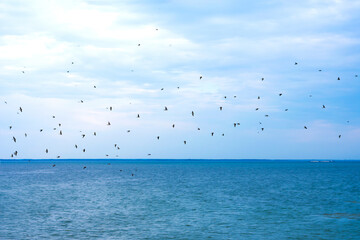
{"points": [[47, 151], [323, 106], [296, 63], [280, 94], [200, 77], [165, 109], [173, 125], [110, 108], [108, 123], [258, 97], [184, 142], [339, 136], [305, 127], [76, 146], [158, 137], [262, 79], [212, 134], [338, 78], [192, 113], [14, 139], [220, 108], [83, 135], [94, 133], [10, 127], [138, 116], [20, 109]]}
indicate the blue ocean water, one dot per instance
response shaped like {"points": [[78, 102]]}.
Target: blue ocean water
{"points": [[179, 200]]}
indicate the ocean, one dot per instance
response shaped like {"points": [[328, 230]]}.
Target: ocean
{"points": [[179, 199]]}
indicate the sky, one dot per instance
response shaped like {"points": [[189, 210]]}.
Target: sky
{"points": [[53, 53]]}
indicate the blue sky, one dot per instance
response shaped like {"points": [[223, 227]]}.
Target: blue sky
{"points": [[231, 44]]}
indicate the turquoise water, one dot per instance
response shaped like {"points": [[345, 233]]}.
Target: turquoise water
{"points": [[179, 200]]}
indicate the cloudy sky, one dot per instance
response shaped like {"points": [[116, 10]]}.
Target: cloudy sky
{"points": [[53, 53]]}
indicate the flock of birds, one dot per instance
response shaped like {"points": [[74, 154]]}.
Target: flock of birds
{"points": [[116, 146]]}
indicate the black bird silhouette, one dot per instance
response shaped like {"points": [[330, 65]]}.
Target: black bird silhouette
{"points": [[16, 153], [266, 115], [14, 139], [138, 44], [212, 134], [262, 129], [110, 108], [220, 108], [41, 130], [223, 134], [83, 135], [60, 132], [256, 109], [84, 150], [319, 70], [296, 63], [234, 124], [338, 78], [280, 94], [356, 75], [108, 123], [128, 131], [94, 86], [165, 109], [47, 151], [53, 165], [258, 97], [67, 71], [53, 116], [58, 157], [238, 124], [339, 136], [305, 127], [162, 89], [323, 106], [198, 129], [76, 146], [81, 101], [10, 127], [138, 116], [200, 77], [25, 134], [84, 167], [94, 133], [20, 109], [286, 110], [173, 125], [158, 137], [192, 113], [262, 79], [72, 62], [184, 142]]}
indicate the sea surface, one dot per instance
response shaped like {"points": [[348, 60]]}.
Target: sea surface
{"points": [[182, 199]]}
